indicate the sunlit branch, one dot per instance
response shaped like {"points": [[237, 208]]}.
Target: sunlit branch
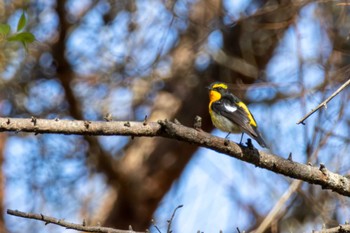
{"points": [[338, 229], [68, 225], [167, 129], [324, 103]]}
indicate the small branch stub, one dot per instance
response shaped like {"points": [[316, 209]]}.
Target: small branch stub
{"points": [[323, 169], [145, 120], [176, 121], [33, 119], [197, 122], [87, 124], [108, 117]]}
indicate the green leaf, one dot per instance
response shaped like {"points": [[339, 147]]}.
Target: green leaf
{"points": [[25, 46], [22, 22], [24, 37], [4, 29]]}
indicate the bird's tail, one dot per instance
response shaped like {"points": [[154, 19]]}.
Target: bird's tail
{"points": [[259, 139]]}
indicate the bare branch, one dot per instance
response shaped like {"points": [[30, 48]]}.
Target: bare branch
{"points": [[172, 218], [68, 225], [274, 212], [262, 159], [339, 229], [78, 127], [155, 226], [324, 103]]}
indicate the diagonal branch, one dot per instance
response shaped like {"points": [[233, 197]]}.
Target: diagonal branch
{"points": [[313, 175], [324, 103], [68, 225], [276, 210]]}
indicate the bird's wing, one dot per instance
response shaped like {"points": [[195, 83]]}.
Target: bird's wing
{"points": [[239, 114]]}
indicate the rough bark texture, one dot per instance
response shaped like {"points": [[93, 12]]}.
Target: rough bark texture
{"points": [[194, 137]]}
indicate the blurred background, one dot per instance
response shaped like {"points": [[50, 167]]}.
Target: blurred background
{"points": [[137, 58]]}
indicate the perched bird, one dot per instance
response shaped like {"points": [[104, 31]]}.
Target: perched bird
{"points": [[230, 114]]}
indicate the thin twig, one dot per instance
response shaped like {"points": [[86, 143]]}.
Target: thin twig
{"points": [[68, 225], [324, 103], [172, 218], [155, 226]]}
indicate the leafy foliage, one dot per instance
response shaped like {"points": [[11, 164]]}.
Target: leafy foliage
{"points": [[4, 29], [22, 22], [24, 37]]}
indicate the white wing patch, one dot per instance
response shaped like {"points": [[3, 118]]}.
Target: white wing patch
{"points": [[230, 108]]}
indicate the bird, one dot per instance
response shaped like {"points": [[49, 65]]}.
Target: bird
{"points": [[229, 114]]}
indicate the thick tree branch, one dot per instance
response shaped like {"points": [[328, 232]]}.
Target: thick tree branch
{"points": [[79, 127], [68, 225], [308, 173]]}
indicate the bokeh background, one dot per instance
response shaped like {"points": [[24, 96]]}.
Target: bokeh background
{"points": [[137, 58]]}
